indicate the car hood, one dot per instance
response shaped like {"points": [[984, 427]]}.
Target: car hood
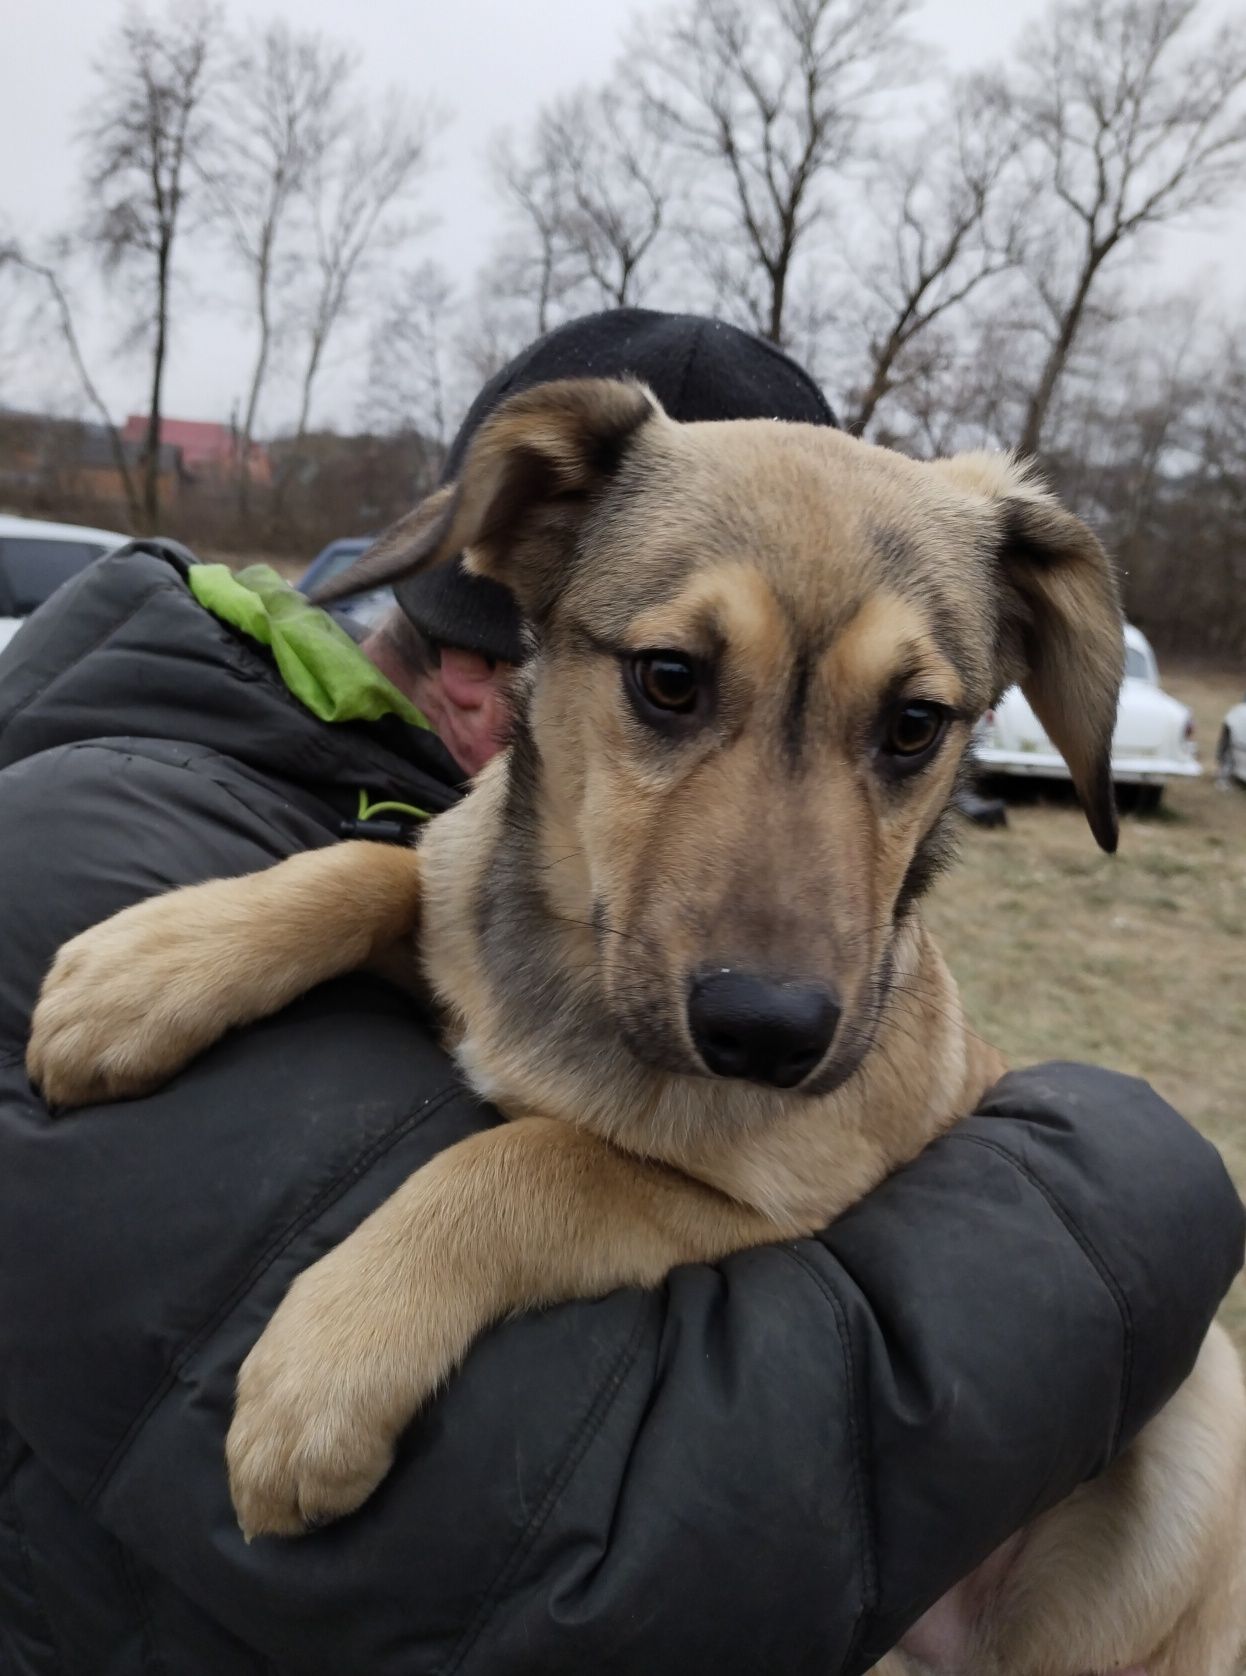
{"points": [[1145, 719]]}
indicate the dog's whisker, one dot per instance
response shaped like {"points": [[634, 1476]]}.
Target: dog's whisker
{"points": [[571, 855], [600, 926], [929, 999]]}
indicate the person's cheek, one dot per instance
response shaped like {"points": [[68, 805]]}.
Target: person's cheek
{"points": [[468, 679]]}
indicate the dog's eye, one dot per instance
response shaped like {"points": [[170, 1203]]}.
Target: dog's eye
{"points": [[666, 681], [913, 730]]}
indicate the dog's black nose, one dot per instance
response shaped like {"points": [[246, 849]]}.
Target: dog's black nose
{"points": [[760, 1029]]}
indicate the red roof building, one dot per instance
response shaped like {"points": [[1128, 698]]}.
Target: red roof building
{"points": [[207, 449]]}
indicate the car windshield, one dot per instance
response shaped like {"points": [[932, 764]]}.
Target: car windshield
{"points": [[1136, 663], [31, 570], [336, 560]]}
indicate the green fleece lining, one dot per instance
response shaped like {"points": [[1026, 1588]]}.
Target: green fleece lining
{"points": [[319, 662]]}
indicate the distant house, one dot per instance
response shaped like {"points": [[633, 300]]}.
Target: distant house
{"points": [[207, 450], [96, 470], [68, 461]]}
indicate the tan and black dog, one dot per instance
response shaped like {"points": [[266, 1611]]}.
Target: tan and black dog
{"points": [[674, 934]]}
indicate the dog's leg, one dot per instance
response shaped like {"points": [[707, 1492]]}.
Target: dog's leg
{"points": [[526, 1214], [129, 1002]]}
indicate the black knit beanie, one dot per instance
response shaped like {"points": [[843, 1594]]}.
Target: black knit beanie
{"points": [[698, 368]]}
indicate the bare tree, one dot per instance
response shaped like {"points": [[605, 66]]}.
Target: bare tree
{"points": [[1134, 124], [621, 175], [150, 117], [279, 114], [768, 99], [45, 274], [14, 305], [587, 197], [1154, 452], [953, 213], [410, 371], [536, 260], [359, 183], [355, 194], [489, 332], [618, 176]]}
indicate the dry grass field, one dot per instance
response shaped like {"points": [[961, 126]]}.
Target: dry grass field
{"points": [[1136, 961]]}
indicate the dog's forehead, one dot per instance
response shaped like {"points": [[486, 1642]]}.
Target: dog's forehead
{"points": [[768, 516]]}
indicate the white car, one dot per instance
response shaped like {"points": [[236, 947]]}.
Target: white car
{"points": [[1153, 742], [1231, 746], [36, 557]]}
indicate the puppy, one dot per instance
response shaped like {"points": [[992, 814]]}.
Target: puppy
{"points": [[674, 934]]}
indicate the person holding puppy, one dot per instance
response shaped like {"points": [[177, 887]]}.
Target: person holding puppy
{"points": [[779, 1463]]}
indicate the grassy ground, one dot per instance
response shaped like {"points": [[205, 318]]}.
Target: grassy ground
{"points": [[1138, 960]]}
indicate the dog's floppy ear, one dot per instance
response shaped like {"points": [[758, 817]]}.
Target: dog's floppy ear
{"points": [[405, 546], [1060, 630], [527, 481]]}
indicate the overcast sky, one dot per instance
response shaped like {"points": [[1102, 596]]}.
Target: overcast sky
{"points": [[489, 62]]}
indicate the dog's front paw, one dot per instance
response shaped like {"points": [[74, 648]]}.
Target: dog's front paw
{"points": [[123, 1007], [336, 1376]]}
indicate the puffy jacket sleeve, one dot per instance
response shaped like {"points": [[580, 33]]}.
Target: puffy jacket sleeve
{"points": [[771, 1464], [776, 1463]]}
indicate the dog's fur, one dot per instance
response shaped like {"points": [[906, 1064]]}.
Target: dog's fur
{"points": [[563, 908]]}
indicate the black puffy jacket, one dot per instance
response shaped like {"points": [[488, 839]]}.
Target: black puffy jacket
{"points": [[771, 1465]]}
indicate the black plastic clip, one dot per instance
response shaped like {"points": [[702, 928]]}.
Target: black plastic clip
{"points": [[380, 831]]}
